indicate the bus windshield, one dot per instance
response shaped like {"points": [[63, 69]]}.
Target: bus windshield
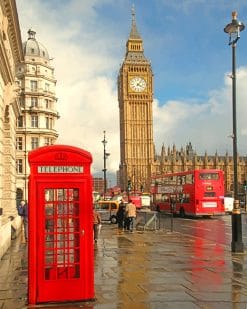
{"points": [[209, 176]]}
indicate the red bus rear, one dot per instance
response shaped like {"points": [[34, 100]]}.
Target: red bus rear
{"points": [[192, 193]]}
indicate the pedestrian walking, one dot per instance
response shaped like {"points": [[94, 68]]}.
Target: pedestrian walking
{"points": [[130, 215], [120, 215], [96, 224], [23, 212]]}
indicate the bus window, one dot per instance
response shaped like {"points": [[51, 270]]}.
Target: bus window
{"points": [[165, 198], [180, 198], [158, 196], [185, 198], [209, 176]]}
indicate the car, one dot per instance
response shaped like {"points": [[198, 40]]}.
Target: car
{"points": [[107, 210]]}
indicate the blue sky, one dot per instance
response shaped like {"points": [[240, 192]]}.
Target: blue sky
{"points": [[191, 61]]}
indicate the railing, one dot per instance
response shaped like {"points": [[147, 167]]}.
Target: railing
{"points": [[147, 220]]}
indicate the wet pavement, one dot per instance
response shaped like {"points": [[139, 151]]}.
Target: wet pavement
{"points": [[144, 269]]}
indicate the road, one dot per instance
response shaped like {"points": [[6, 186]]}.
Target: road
{"points": [[216, 229]]}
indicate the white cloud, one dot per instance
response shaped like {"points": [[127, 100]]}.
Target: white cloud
{"points": [[206, 124], [89, 108]]}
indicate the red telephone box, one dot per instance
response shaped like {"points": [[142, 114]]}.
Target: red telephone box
{"points": [[60, 244]]}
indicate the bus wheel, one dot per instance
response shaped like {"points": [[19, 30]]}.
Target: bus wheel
{"points": [[181, 212]]}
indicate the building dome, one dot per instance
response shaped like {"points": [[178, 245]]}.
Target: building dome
{"points": [[34, 48]]}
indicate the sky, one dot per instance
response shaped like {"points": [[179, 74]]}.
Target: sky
{"points": [[191, 62]]}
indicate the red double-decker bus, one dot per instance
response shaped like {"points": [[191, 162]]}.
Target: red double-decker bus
{"points": [[192, 193]]}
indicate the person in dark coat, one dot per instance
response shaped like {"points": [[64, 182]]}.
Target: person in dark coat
{"points": [[23, 212], [120, 215]]}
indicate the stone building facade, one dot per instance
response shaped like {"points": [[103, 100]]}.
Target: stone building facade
{"points": [[27, 114], [11, 55]]}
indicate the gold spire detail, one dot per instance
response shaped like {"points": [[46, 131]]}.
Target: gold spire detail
{"points": [[134, 32]]}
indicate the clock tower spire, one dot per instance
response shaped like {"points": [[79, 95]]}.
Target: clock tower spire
{"points": [[135, 96], [134, 45], [134, 33]]}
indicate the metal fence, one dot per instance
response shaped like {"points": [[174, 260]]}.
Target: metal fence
{"points": [[153, 220], [147, 220]]}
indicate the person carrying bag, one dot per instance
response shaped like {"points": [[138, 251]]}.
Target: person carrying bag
{"points": [[96, 224]]}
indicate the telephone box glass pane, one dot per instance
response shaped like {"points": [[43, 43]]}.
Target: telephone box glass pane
{"points": [[62, 237]]}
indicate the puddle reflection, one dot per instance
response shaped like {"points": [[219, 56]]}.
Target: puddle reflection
{"points": [[237, 267], [131, 269], [207, 265], [208, 261]]}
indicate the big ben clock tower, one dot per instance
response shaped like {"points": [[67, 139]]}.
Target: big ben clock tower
{"points": [[135, 96]]}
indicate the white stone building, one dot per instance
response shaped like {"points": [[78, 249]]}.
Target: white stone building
{"points": [[11, 55], [27, 114], [36, 124]]}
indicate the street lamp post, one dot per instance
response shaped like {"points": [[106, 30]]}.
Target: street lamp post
{"points": [[106, 155], [124, 177], [233, 29]]}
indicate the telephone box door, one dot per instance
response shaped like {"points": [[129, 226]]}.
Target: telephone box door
{"points": [[62, 242]]}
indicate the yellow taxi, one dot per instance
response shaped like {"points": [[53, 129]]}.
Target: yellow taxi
{"points": [[107, 210]]}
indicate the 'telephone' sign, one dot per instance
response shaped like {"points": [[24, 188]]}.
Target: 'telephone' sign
{"points": [[60, 169]]}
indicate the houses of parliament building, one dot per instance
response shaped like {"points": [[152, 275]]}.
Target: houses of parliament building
{"points": [[138, 160]]}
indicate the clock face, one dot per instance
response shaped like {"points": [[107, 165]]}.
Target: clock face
{"points": [[137, 84]]}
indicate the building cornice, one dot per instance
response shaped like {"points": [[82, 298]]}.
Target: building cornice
{"points": [[14, 32]]}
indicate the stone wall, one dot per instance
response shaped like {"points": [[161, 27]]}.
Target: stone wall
{"points": [[8, 231]]}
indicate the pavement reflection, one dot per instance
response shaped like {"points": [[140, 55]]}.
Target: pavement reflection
{"points": [[208, 265], [237, 279], [150, 269]]}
